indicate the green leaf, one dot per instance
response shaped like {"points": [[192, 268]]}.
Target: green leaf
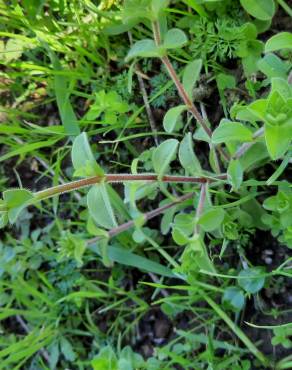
{"points": [[273, 66], [251, 279], [12, 50], [234, 297], [16, 200], [83, 160], [157, 7], [99, 206], [191, 74], [175, 38], [137, 10], [61, 86], [235, 174], [231, 131], [211, 219], [106, 360], [282, 40], [195, 257], [72, 246], [67, 349], [127, 258], [282, 86], [171, 117], [163, 155], [260, 9], [145, 49], [278, 139], [187, 157]]}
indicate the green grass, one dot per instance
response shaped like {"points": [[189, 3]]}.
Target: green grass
{"points": [[189, 286]]}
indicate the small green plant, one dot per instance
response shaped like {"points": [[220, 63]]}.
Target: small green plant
{"points": [[184, 211]]}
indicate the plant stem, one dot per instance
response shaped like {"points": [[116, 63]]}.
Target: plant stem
{"points": [[147, 216], [201, 203], [145, 98], [181, 90], [183, 94], [118, 178]]}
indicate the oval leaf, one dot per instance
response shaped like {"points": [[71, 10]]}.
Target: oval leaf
{"points": [[171, 118], [187, 157], [231, 131], [235, 174], [191, 75], [282, 40], [174, 38], [99, 206], [251, 279], [278, 139], [144, 48], [163, 155], [260, 9], [16, 200], [234, 297], [83, 160], [211, 219]]}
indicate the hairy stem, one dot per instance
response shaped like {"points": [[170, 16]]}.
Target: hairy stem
{"points": [[118, 178], [147, 216], [182, 92]]}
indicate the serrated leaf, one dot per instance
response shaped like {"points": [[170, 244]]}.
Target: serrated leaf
{"points": [[163, 155], [83, 160], [235, 174], [99, 206], [260, 9], [187, 156], [231, 131], [282, 40], [145, 49], [174, 38], [171, 117], [191, 74], [211, 219], [16, 200]]}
